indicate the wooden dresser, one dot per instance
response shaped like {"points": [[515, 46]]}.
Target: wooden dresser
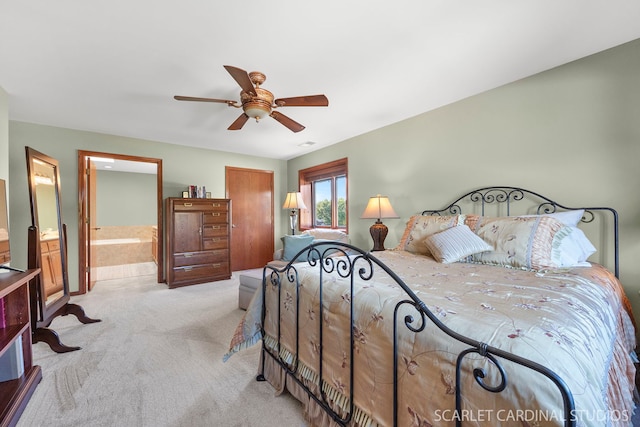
{"points": [[197, 241]]}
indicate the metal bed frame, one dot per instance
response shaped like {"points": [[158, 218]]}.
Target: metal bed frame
{"points": [[362, 264]]}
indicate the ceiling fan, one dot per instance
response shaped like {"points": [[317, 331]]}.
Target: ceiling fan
{"points": [[257, 103]]}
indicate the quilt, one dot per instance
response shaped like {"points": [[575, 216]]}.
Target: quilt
{"points": [[575, 321]]}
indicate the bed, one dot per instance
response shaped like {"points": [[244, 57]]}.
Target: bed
{"points": [[486, 313]]}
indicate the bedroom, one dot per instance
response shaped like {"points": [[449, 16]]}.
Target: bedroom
{"points": [[570, 132]]}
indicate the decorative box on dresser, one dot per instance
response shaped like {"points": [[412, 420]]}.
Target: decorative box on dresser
{"points": [[198, 240], [18, 376]]}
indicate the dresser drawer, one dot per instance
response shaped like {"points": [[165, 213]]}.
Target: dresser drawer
{"points": [[199, 258], [192, 258], [221, 217], [200, 273], [215, 230], [215, 243], [205, 205]]}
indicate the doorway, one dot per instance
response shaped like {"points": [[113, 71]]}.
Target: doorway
{"points": [[87, 196]]}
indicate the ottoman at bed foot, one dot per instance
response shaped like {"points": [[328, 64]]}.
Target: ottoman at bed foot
{"points": [[250, 281]]}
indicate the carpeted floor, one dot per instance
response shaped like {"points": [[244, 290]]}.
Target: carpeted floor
{"points": [[154, 360]]}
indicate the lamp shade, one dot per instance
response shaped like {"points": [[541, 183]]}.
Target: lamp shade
{"points": [[294, 201], [379, 207]]}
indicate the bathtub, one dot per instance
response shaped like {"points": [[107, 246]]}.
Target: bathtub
{"points": [[120, 245]]}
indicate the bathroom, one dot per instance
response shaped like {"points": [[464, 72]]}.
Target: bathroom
{"points": [[124, 242]]}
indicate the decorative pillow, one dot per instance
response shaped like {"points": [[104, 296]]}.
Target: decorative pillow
{"points": [[419, 227], [521, 242], [294, 244], [455, 243]]}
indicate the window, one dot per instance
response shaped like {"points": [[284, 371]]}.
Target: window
{"points": [[324, 189]]}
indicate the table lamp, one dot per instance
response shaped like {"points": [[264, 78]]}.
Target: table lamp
{"points": [[293, 202], [379, 207]]}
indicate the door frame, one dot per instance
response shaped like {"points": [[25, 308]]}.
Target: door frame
{"points": [[83, 236]]}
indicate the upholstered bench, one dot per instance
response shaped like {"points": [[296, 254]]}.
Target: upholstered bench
{"points": [[250, 281]]}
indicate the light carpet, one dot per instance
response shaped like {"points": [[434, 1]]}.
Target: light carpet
{"points": [[154, 360]]}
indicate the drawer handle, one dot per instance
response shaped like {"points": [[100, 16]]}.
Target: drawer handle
{"points": [[216, 205], [215, 213], [216, 265], [215, 227], [187, 268], [187, 205], [216, 239], [188, 255]]}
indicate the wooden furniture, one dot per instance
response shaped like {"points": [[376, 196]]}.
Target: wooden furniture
{"points": [[51, 266], [198, 240], [20, 377]]}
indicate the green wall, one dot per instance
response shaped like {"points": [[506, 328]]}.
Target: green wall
{"points": [[4, 145], [181, 166], [571, 133], [4, 134], [126, 198]]}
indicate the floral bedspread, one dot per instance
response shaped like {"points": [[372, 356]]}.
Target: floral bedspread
{"points": [[576, 322]]}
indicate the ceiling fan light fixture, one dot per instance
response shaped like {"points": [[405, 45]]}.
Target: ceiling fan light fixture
{"points": [[257, 109], [258, 106], [258, 103]]}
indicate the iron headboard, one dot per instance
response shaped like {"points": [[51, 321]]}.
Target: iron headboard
{"points": [[505, 197]]}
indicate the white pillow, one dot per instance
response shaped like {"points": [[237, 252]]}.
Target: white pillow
{"points": [[455, 243], [570, 218], [571, 248]]}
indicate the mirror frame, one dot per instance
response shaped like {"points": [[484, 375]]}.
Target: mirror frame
{"points": [[47, 311]]}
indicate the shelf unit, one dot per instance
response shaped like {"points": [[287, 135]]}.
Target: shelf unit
{"points": [[15, 345]]}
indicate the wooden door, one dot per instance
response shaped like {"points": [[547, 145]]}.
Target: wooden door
{"points": [[92, 222], [251, 194]]}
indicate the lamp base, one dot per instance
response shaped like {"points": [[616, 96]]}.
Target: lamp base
{"points": [[293, 221], [378, 233]]}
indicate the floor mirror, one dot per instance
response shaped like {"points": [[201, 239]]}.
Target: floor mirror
{"points": [[49, 293]]}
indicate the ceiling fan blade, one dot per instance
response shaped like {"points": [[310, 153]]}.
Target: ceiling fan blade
{"points": [[242, 77], [291, 124], [193, 98], [239, 122], [303, 101]]}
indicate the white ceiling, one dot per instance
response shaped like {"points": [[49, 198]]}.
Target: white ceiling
{"points": [[114, 66]]}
